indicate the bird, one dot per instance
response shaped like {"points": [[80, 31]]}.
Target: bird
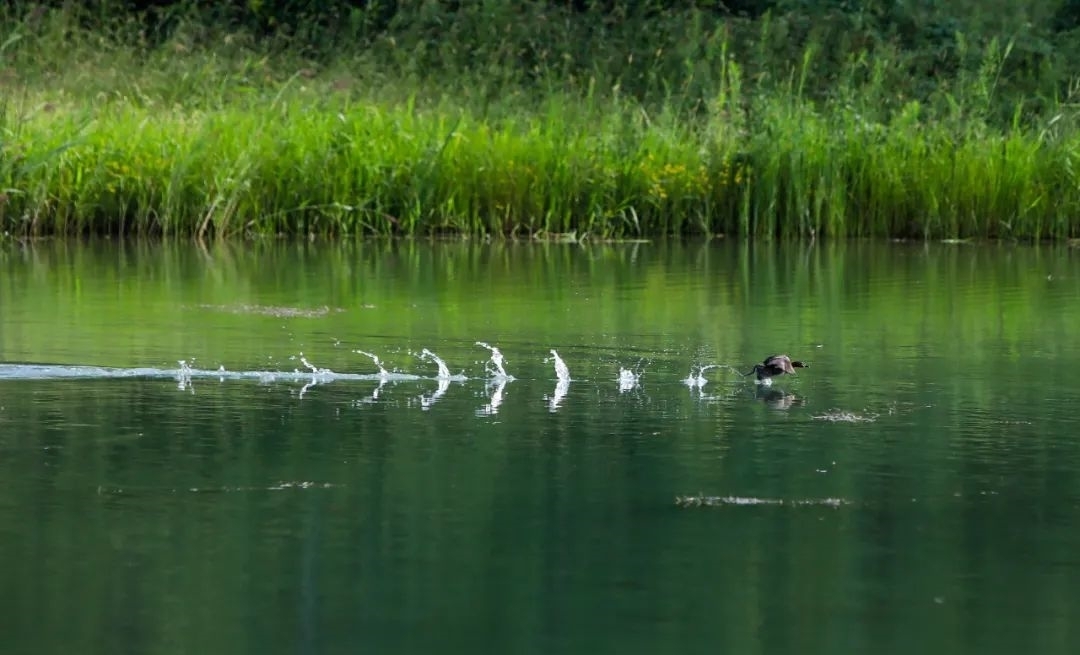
{"points": [[775, 365]]}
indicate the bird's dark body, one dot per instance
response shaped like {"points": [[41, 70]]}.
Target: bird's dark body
{"points": [[775, 365]]}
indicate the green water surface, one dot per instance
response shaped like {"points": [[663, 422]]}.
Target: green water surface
{"points": [[917, 489]]}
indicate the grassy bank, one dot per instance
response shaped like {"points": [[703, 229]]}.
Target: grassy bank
{"points": [[218, 137]]}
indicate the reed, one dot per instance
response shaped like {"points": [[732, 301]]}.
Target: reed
{"points": [[228, 140]]}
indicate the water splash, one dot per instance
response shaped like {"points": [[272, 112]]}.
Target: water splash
{"points": [[311, 367], [562, 374], [562, 371], [322, 374], [183, 376], [494, 366], [306, 373], [444, 370], [628, 380], [318, 375], [383, 373], [699, 380], [444, 377]]}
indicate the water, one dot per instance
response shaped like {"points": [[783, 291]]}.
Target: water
{"points": [[465, 448]]}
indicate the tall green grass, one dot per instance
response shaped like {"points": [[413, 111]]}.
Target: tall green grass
{"points": [[223, 139]]}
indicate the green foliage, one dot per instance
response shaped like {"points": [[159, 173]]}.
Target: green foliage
{"points": [[531, 118]]}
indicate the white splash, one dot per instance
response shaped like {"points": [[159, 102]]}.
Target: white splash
{"points": [[183, 376], [494, 366], [562, 371], [444, 370], [383, 373], [699, 380], [318, 375], [628, 380], [311, 367]]}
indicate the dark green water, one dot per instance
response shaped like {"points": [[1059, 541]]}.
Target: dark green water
{"points": [[917, 489]]}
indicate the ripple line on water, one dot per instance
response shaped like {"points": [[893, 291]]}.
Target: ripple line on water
{"points": [[739, 501]]}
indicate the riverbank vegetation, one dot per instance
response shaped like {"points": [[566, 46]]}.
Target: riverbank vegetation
{"points": [[539, 119]]}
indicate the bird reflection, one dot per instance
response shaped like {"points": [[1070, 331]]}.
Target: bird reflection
{"points": [[777, 398]]}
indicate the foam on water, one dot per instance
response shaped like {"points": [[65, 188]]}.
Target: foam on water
{"points": [[184, 371], [714, 501], [280, 486], [840, 416]]}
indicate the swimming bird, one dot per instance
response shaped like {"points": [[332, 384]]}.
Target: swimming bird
{"points": [[775, 365]]}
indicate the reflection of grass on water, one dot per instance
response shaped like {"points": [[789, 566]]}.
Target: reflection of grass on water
{"points": [[104, 137]]}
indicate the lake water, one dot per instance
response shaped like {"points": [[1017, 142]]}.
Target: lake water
{"points": [[916, 489]]}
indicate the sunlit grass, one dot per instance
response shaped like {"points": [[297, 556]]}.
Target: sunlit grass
{"points": [[228, 141]]}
